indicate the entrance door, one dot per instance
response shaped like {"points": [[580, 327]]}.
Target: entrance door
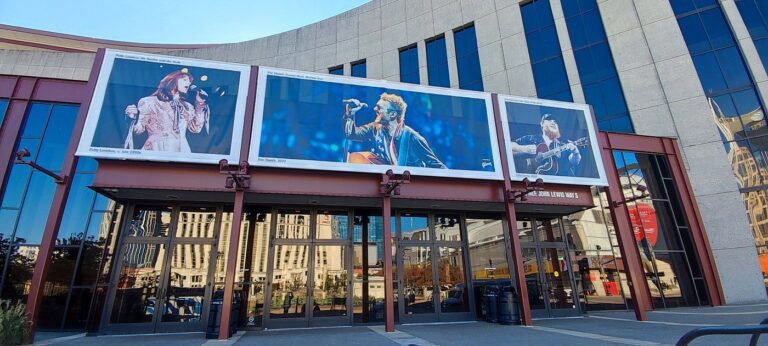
{"points": [[547, 269], [308, 280], [163, 277], [432, 266]]}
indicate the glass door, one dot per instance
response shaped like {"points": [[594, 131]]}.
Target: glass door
{"points": [[162, 282], [548, 277], [433, 277], [308, 280]]}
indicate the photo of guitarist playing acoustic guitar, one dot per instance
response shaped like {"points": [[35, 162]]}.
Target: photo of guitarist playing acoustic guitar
{"points": [[545, 153], [391, 141]]}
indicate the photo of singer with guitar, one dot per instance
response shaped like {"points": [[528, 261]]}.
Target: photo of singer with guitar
{"points": [[545, 153], [391, 141]]}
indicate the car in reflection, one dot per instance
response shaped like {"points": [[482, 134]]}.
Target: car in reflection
{"points": [[454, 296]]}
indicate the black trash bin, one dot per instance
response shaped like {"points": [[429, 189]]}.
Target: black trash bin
{"points": [[490, 298], [508, 309], [214, 317]]}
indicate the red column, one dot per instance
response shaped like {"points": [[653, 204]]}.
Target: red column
{"points": [[517, 258], [237, 217], [229, 281], [389, 312], [629, 252], [40, 275]]}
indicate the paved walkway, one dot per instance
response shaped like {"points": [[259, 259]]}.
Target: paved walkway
{"points": [[664, 327]]}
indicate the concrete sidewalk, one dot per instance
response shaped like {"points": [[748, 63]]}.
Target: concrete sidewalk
{"points": [[664, 327]]}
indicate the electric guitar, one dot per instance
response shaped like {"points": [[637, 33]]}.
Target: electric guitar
{"points": [[545, 160]]}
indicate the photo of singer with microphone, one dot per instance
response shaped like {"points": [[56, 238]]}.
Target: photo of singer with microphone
{"points": [[157, 108], [167, 114], [391, 141]]}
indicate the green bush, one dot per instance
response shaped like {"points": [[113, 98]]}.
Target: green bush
{"points": [[14, 326]]}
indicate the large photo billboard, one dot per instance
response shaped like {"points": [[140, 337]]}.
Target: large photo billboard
{"points": [[164, 108], [555, 141], [318, 121]]}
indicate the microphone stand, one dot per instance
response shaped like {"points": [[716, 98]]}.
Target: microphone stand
{"points": [[346, 140]]}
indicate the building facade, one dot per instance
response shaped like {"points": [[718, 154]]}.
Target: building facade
{"points": [[678, 89]]}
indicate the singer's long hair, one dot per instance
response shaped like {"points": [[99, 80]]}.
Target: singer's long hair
{"points": [[167, 85]]}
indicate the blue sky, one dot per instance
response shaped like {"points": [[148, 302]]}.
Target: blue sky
{"points": [[191, 21]]}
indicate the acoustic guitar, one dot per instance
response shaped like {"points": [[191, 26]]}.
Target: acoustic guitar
{"points": [[364, 157], [545, 160]]}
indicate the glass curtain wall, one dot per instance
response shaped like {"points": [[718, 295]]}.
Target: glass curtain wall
{"points": [[755, 15], [668, 256], [734, 105], [544, 51], [3, 108], [597, 71], [84, 243]]}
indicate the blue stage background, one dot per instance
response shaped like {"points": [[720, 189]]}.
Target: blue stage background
{"points": [[303, 119]]}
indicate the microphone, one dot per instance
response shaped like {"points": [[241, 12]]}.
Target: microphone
{"points": [[356, 103], [195, 90]]}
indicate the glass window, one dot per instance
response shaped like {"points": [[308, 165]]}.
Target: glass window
{"points": [[437, 63], [293, 224], [409, 65], [332, 225], [447, 228], [414, 227], [467, 59], [3, 108], [358, 69], [338, 70], [544, 50], [595, 65]]}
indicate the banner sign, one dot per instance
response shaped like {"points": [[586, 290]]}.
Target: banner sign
{"points": [[164, 108], [326, 122], [555, 141]]}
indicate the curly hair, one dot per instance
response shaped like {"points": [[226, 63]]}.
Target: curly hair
{"points": [[397, 103]]}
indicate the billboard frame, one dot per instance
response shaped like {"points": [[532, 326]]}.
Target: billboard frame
{"points": [[589, 119], [255, 160], [85, 148]]}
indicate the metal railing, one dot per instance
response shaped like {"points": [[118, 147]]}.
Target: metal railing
{"points": [[754, 330]]}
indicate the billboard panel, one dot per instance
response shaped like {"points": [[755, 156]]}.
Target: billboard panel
{"points": [[318, 121], [555, 141], [163, 108]]}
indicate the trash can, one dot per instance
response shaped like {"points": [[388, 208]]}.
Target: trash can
{"points": [[490, 296], [508, 309], [214, 317]]}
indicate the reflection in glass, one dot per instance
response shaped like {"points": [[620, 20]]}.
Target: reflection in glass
{"points": [[187, 281], [454, 296], [414, 227], [532, 282], [332, 225], [447, 228], [557, 276], [549, 231], [487, 249], [292, 224], [289, 290], [34, 212], [525, 230], [196, 223], [368, 271], [330, 291], [417, 280], [137, 283], [150, 222]]}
